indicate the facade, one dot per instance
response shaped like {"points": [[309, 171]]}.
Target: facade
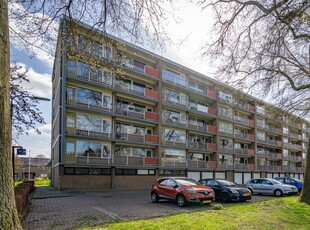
{"points": [[123, 116], [38, 167]]}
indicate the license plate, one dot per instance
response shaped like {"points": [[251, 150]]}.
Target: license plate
{"points": [[246, 194], [206, 201]]}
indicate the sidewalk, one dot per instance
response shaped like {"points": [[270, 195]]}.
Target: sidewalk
{"points": [[51, 209]]}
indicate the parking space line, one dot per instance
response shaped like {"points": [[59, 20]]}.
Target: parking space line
{"points": [[110, 214]]}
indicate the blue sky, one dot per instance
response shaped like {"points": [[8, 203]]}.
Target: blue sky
{"points": [[187, 36]]}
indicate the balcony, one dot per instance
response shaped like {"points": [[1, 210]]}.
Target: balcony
{"points": [[244, 121], [174, 144], [173, 163], [226, 150], [203, 110], [225, 166], [138, 115], [245, 152], [204, 91], [201, 164], [154, 139], [244, 166], [93, 160], [204, 128], [176, 123], [145, 92], [89, 106], [202, 146], [267, 154], [268, 168], [89, 133]]}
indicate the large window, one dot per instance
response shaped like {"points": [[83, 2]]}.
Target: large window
{"points": [[175, 116], [175, 77], [174, 155], [132, 151], [174, 136], [130, 129], [226, 144], [226, 128], [175, 97]]}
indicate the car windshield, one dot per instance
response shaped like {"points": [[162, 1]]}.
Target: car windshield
{"points": [[227, 183], [187, 182], [275, 181]]}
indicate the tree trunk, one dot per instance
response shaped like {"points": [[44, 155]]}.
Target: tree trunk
{"points": [[8, 214], [305, 194]]}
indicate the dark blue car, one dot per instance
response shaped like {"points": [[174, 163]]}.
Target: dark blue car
{"points": [[291, 181]]}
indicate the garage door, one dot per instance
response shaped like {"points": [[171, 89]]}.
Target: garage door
{"points": [[246, 177], [256, 176], [220, 175], [206, 175], [194, 175], [269, 175], [238, 178], [301, 177]]}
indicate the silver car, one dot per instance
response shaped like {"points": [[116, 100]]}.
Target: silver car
{"points": [[270, 187]]}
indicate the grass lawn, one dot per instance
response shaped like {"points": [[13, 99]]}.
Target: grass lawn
{"points": [[283, 213]]}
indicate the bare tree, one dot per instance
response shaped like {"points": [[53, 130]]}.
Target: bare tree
{"points": [[262, 47], [34, 24], [24, 112]]}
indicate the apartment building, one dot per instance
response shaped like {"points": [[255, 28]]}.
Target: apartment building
{"points": [[123, 116]]}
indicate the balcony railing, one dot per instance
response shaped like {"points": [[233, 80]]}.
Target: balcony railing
{"points": [[173, 163], [177, 123], [136, 137], [246, 152], [145, 115], [201, 164], [93, 160], [89, 106], [174, 143]]}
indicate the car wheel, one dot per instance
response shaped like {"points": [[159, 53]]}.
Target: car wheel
{"points": [[278, 192], [154, 197], [181, 200], [225, 198]]}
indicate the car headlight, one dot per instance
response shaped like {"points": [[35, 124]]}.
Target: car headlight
{"points": [[193, 191], [235, 191]]}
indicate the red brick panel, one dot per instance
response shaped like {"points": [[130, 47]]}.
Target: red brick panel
{"points": [[151, 93], [152, 72], [151, 116], [151, 138]]}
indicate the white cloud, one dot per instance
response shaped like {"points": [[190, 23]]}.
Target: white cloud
{"points": [[39, 85]]}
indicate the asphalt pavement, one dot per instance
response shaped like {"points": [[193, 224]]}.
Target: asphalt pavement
{"points": [[51, 209]]}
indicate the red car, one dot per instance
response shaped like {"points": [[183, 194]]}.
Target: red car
{"points": [[183, 190]]}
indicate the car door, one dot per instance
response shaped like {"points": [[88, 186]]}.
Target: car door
{"points": [[216, 187], [266, 186]]}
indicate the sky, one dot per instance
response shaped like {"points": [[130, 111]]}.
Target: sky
{"points": [[187, 35]]}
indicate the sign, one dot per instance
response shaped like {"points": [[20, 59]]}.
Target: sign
{"points": [[21, 151]]}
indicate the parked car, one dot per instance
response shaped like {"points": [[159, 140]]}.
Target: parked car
{"points": [[291, 181], [183, 190], [227, 191], [270, 187]]}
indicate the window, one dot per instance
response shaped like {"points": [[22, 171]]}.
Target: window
{"points": [[225, 96], [175, 97], [226, 128], [226, 144], [174, 136], [175, 77]]}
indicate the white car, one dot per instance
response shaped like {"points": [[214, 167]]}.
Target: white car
{"points": [[270, 187]]}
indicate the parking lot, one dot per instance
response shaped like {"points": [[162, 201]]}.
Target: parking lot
{"points": [[50, 209]]}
